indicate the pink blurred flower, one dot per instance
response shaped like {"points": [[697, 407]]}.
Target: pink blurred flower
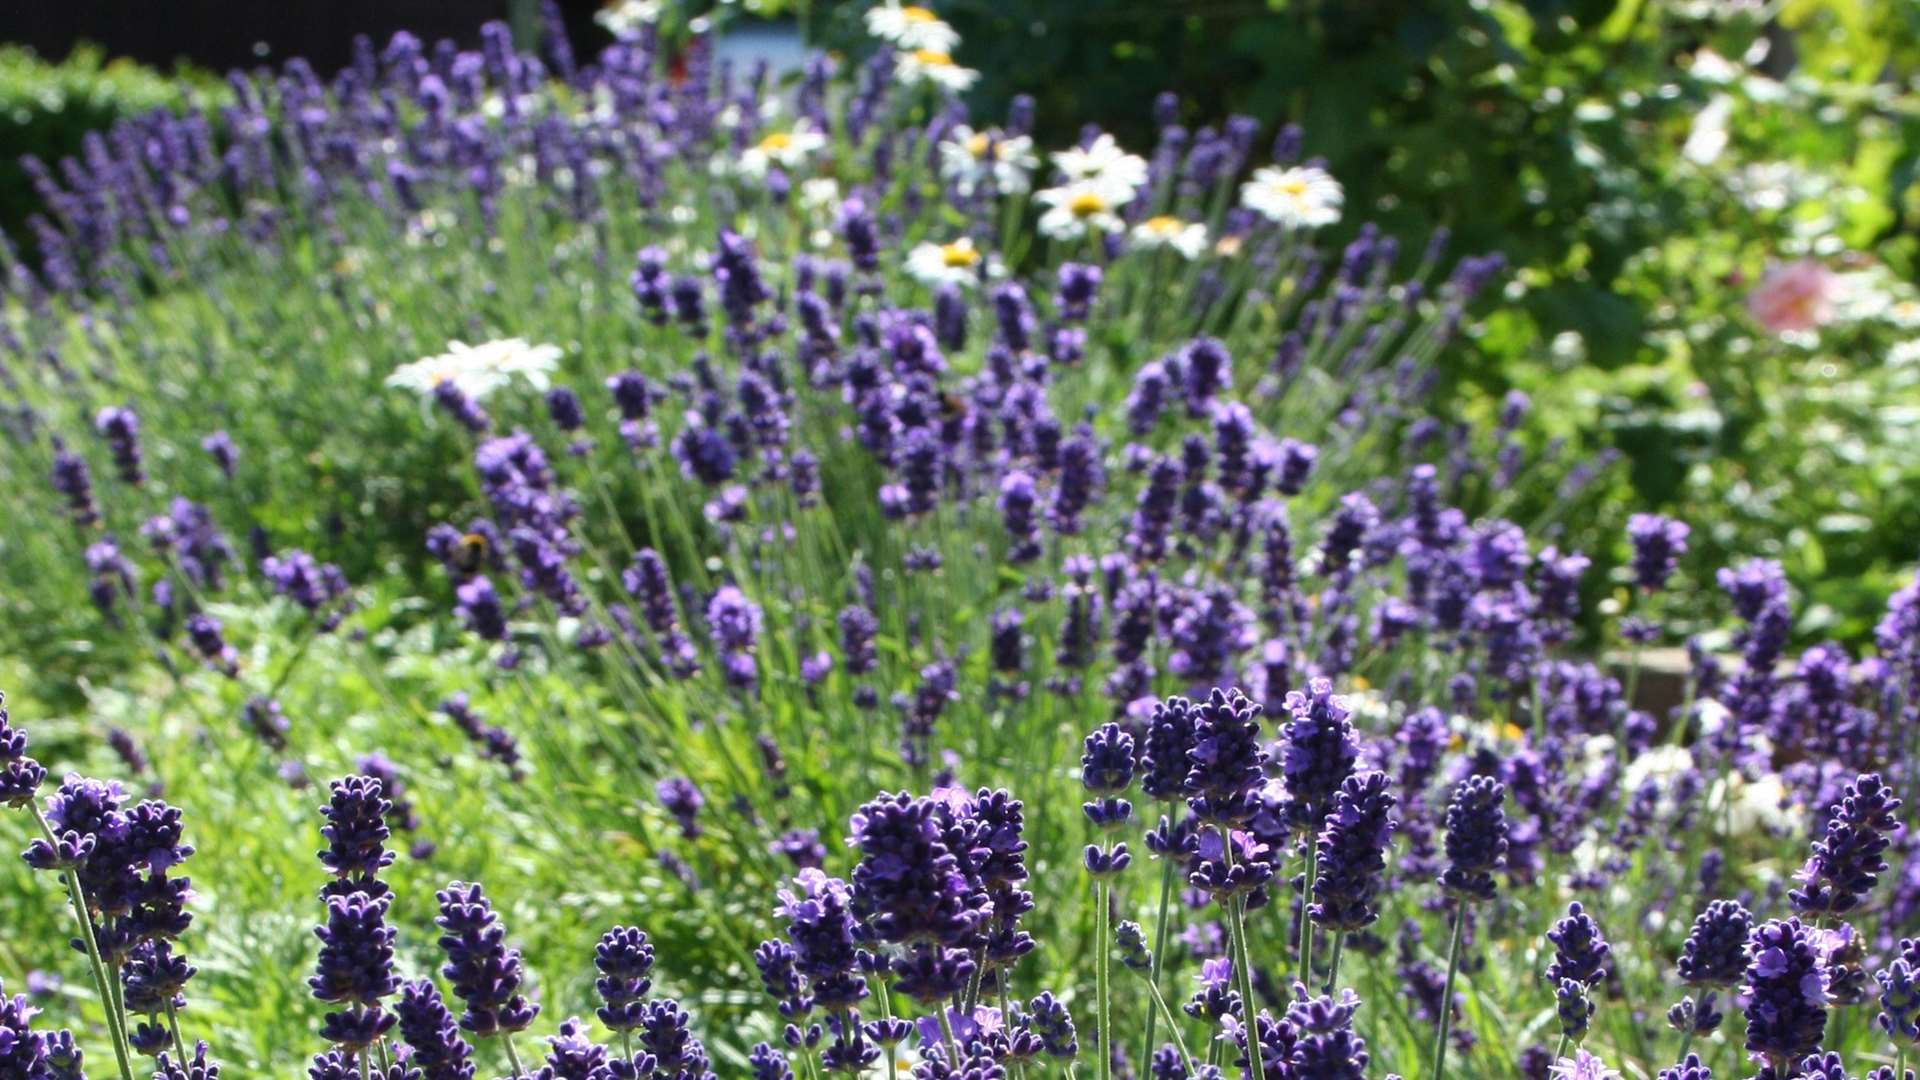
{"points": [[1796, 296]]}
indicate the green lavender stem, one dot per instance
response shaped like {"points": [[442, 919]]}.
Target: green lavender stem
{"points": [[1243, 966], [1446, 997], [1161, 1008], [946, 1035], [1333, 965], [513, 1059], [1306, 921], [1159, 950], [173, 1025], [1101, 991]]}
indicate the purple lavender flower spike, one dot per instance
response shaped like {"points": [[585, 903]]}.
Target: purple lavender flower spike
{"points": [[483, 971], [1351, 854], [20, 775], [1785, 991], [1715, 952], [120, 428], [1847, 863], [1476, 839], [1658, 543], [430, 1031], [681, 799]]}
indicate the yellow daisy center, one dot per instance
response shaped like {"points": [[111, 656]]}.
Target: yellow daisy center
{"points": [[932, 58], [958, 254], [1087, 204], [779, 140], [977, 144], [918, 15], [1293, 186], [1163, 225]]}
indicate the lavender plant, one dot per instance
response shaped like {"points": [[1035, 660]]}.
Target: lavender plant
{"points": [[879, 463]]}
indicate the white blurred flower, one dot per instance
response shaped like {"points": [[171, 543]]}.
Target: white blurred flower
{"points": [[933, 66], [1708, 136], [1903, 313], [1302, 196], [1904, 353], [819, 193], [628, 16], [1188, 238], [1073, 209], [956, 263], [968, 157], [479, 370], [910, 26], [786, 149], [1709, 66], [1102, 162], [1754, 805]]}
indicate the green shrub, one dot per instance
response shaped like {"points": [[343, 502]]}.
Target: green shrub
{"points": [[47, 109]]}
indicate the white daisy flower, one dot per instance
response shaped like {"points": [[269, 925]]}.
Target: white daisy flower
{"points": [[787, 149], [1102, 161], [911, 27], [968, 157], [1303, 196], [1904, 353], [1904, 313], [819, 193], [956, 263], [933, 66], [1188, 238], [627, 16], [479, 370], [1074, 208]]}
